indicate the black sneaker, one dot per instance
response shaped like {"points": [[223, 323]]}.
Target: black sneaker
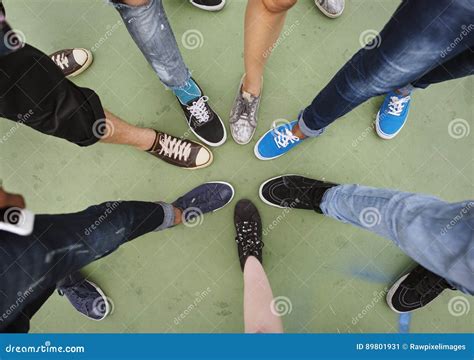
{"points": [[415, 290], [203, 121], [249, 231], [85, 296], [208, 5], [205, 198], [72, 62], [293, 191]]}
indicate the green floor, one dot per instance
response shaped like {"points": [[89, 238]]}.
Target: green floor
{"points": [[330, 272]]}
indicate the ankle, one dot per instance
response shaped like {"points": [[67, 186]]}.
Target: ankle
{"points": [[252, 87], [148, 140], [178, 216], [297, 132]]}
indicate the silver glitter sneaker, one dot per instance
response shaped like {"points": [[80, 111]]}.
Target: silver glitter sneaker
{"points": [[243, 116], [330, 8]]}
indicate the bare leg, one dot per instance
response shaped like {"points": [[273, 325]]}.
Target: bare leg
{"points": [[118, 131], [258, 297], [264, 20]]}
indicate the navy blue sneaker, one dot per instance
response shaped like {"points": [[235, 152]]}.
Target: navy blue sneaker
{"points": [[277, 141], [85, 296], [205, 198], [392, 115]]}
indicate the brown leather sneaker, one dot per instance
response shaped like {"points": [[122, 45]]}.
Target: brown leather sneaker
{"points": [[72, 62], [180, 152]]}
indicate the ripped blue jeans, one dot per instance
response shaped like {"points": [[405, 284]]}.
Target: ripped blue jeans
{"points": [[31, 266], [149, 27]]}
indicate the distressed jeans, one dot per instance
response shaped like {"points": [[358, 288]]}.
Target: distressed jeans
{"points": [[424, 42], [31, 266], [149, 27], [436, 234]]}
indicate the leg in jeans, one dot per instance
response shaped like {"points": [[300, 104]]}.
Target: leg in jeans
{"points": [[62, 244], [258, 296], [436, 234], [410, 45], [148, 25], [264, 20]]}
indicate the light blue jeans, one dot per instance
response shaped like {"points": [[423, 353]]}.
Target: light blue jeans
{"points": [[149, 27], [437, 235]]}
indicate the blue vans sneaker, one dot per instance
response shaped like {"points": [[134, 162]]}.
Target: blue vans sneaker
{"points": [[277, 141], [392, 115]]}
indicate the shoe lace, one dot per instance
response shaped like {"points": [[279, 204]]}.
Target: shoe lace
{"points": [[247, 109], [61, 60], [174, 148], [247, 238], [199, 110], [396, 105], [284, 138]]}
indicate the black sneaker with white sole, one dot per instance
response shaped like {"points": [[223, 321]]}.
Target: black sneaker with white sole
{"points": [[293, 191], [248, 226], [208, 5], [415, 290], [203, 121]]}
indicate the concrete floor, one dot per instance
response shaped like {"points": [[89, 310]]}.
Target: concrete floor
{"points": [[330, 272]]}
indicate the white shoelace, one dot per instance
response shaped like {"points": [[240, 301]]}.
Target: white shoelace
{"points": [[397, 105], [61, 60], [284, 138], [174, 148], [199, 111]]}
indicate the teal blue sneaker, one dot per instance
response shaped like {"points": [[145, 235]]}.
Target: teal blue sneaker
{"points": [[392, 115], [277, 141]]}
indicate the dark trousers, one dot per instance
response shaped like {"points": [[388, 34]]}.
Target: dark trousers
{"points": [[31, 266], [425, 42]]}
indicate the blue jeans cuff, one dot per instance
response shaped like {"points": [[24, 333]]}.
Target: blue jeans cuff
{"points": [[326, 197], [306, 130], [168, 218], [119, 5]]}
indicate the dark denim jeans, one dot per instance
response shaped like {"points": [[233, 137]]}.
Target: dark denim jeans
{"points": [[31, 266], [425, 42]]}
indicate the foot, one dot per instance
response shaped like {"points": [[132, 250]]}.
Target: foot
{"points": [[293, 191], [72, 62], [415, 290], [277, 141], [179, 152], [330, 8], [201, 119], [249, 231], [208, 197], [243, 116], [392, 115], [208, 5], [85, 296]]}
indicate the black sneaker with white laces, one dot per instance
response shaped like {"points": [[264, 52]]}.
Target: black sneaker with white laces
{"points": [[249, 231], [208, 5], [203, 121], [415, 290], [72, 62], [293, 191]]}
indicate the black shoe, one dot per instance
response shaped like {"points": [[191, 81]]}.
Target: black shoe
{"points": [[249, 231], [205, 198], [293, 191], [203, 121], [72, 62], [208, 5], [415, 290]]}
